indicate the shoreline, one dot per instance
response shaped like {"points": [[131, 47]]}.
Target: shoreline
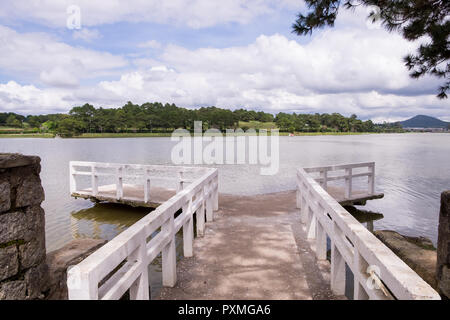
{"points": [[165, 135]]}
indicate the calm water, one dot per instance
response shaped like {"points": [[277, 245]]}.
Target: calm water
{"points": [[411, 169]]}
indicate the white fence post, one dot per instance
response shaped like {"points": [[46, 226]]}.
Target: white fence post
{"points": [[180, 181], [209, 204], [81, 286], [146, 186], [324, 177], [200, 215], [305, 207], [169, 255], [94, 180], [73, 181], [312, 219], [139, 290], [188, 230], [371, 179], [119, 183], [216, 193], [348, 183], [337, 271], [358, 291], [321, 242]]}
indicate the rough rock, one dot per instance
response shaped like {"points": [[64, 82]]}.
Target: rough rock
{"points": [[14, 290], [32, 253], [9, 262], [19, 225], [37, 280], [12, 160], [415, 252], [5, 196], [29, 192], [69, 255], [12, 226]]}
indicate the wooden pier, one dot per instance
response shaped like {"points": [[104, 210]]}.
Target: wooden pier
{"points": [[262, 247]]}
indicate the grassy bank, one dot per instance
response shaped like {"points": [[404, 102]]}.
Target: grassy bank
{"points": [[124, 135], [159, 134], [27, 135]]}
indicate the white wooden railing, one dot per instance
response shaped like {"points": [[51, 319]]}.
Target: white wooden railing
{"points": [[121, 265], [117, 172], [377, 272], [348, 175]]}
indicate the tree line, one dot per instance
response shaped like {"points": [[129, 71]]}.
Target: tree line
{"points": [[157, 117]]}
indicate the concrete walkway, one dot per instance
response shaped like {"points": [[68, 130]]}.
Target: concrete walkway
{"points": [[255, 249]]}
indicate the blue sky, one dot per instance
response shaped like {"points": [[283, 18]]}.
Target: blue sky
{"points": [[229, 54]]}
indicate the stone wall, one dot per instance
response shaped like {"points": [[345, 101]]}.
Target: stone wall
{"points": [[443, 248], [23, 268]]}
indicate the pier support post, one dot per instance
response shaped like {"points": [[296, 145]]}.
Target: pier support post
{"points": [[321, 242], [146, 187], [216, 194], [324, 177], [304, 207], [443, 246], [209, 203], [139, 290], [348, 183], [119, 183], [169, 257], [94, 181], [188, 231], [200, 215], [337, 271]]}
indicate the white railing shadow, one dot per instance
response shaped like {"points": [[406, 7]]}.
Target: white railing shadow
{"points": [[377, 272], [121, 265]]}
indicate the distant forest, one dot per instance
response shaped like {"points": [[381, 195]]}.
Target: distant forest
{"points": [[157, 117]]}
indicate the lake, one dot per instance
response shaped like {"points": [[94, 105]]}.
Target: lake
{"points": [[411, 169]]}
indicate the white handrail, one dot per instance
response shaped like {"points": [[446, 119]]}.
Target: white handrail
{"points": [[378, 273], [348, 176], [122, 263], [175, 173]]}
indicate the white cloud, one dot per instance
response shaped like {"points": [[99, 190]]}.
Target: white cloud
{"points": [[86, 34], [153, 44], [41, 56], [194, 14], [59, 77], [351, 69], [29, 99]]}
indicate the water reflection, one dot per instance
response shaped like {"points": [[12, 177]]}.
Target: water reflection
{"points": [[107, 220], [104, 220]]}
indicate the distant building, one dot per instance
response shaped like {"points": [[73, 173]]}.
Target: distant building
{"points": [[426, 129]]}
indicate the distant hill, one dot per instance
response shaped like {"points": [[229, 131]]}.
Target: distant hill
{"points": [[421, 121]]}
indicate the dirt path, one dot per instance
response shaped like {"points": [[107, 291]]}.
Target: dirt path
{"points": [[255, 249]]}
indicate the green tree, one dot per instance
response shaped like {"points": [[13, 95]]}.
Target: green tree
{"points": [[414, 19], [70, 127], [12, 121]]}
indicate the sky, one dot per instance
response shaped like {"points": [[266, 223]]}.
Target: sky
{"points": [[55, 55]]}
